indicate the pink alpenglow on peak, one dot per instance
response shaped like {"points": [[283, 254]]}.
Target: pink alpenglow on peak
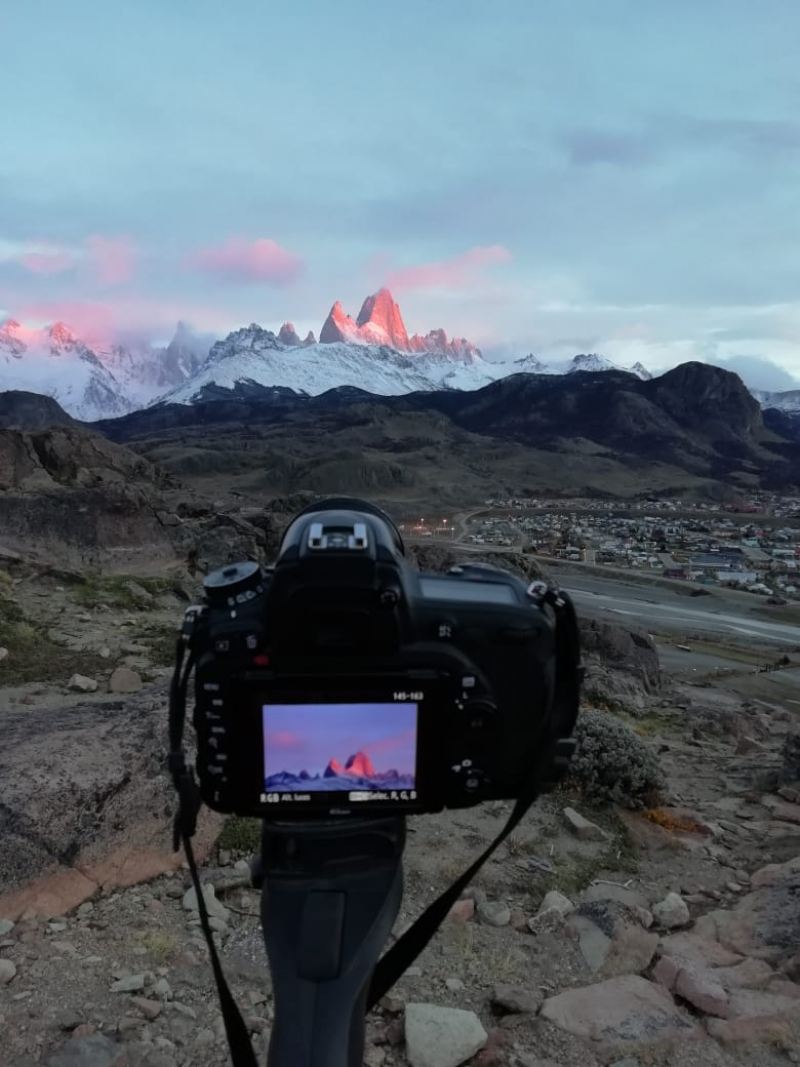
{"points": [[339, 327], [380, 322], [62, 335], [360, 765]]}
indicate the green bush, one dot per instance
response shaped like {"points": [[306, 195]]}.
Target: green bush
{"points": [[240, 835]]}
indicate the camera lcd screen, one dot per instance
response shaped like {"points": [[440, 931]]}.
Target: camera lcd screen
{"points": [[444, 589], [353, 752]]}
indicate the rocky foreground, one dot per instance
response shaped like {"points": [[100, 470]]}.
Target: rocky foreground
{"points": [[598, 935]]}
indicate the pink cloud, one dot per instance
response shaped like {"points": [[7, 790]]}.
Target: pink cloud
{"points": [[47, 259], [111, 259], [392, 744], [242, 260], [90, 321], [104, 322], [284, 740], [449, 273], [107, 260]]}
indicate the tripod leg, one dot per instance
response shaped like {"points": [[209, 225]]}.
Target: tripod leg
{"points": [[329, 900]]}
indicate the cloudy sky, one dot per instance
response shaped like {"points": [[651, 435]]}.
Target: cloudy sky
{"points": [[537, 176]]}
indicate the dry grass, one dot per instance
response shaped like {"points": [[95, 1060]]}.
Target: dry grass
{"points": [[672, 820], [159, 944], [33, 657]]}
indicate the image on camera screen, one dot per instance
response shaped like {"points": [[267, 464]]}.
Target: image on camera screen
{"points": [[366, 750]]}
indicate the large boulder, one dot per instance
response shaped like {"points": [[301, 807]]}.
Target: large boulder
{"points": [[765, 924], [86, 802], [623, 665], [76, 498]]}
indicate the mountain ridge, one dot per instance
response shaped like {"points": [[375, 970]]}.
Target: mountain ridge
{"points": [[93, 379], [374, 352]]}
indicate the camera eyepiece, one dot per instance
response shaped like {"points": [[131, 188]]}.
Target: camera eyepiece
{"points": [[347, 504]]}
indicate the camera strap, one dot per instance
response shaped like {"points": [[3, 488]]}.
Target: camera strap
{"points": [[545, 772], [183, 779], [547, 767]]}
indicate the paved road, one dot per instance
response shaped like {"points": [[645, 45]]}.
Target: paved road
{"points": [[656, 609]]}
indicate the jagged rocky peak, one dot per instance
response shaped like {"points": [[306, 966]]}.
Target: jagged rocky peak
{"points": [[338, 327], [287, 335], [380, 322], [641, 371], [62, 335], [529, 364], [590, 361], [183, 355], [11, 339]]}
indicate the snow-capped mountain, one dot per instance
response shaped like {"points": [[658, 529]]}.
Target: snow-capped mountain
{"points": [[93, 380], [530, 364], [254, 356], [788, 402], [55, 363], [591, 362], [373, 352]]}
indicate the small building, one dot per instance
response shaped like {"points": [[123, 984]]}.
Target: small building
{"points": [[676, 572], [742, 577]]}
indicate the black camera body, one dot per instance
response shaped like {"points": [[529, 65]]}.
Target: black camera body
{"points": [[341, 681]]}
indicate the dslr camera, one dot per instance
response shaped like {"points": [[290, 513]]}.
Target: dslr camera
{"points": [[341, 681]]}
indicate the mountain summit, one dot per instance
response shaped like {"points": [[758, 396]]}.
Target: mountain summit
{"points": [[380, 322], [358, 766]]}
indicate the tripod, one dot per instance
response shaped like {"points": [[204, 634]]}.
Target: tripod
{"points": [[330, 893]]}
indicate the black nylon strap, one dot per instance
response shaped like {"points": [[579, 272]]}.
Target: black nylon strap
{"points": [[402, 954], [241, 1049], [242, 1054], [568, 677]]}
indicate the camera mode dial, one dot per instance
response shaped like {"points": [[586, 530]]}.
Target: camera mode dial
{"points": [[234, 585]]}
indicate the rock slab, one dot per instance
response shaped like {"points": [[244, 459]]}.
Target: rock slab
{"points": [[672, 912], [555, 901], [442, 1037], [124, 680], [620, 1012], [214, 907], [89, 1050], [582, 827]]}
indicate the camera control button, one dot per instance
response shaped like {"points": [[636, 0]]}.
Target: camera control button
{"points": [[473, 781], [517, 635], [479, 713]]}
